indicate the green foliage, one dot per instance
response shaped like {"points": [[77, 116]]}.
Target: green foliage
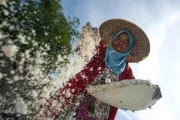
{"points": [[43, 24], [43, 36]]}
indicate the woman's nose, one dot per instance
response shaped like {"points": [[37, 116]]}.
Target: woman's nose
{"points": [[118, 42]]}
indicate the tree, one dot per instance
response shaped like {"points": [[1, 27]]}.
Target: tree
{"points": [[35, 40]]}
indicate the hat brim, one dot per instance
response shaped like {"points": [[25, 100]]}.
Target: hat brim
{"points": [[141, 46]]}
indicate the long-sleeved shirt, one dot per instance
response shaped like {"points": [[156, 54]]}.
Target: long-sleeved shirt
{"points": [[69, 94]]}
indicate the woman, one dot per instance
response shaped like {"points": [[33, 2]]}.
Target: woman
{"points": [[122, 42]]}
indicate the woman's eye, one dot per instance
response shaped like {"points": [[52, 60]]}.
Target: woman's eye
{"points": [[125, 42]]}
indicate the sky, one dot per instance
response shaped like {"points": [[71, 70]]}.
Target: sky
{"points": [[161, 22]]}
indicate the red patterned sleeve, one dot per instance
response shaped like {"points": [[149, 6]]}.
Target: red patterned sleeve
{"points": [[82, 79], [76, 85]]}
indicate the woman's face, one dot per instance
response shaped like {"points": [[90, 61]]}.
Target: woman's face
{"points": [[121, 43]]}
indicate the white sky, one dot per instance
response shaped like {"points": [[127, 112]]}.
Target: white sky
{"points": [[161, 21], [162, 66]]}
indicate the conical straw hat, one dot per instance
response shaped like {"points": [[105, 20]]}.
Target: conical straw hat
{"points": [[141, 46]]}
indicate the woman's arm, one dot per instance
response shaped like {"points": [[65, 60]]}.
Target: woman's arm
{"points": [[75, 86], [126, 74]]}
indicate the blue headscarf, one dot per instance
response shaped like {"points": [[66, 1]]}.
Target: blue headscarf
{"points": [[114, 60]]}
